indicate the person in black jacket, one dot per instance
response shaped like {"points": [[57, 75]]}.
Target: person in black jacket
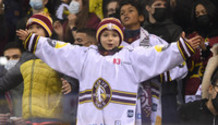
{"points": [[160, 23], [205, 111]]}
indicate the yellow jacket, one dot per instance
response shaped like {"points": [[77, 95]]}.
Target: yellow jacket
{"points": [[42, 90]]}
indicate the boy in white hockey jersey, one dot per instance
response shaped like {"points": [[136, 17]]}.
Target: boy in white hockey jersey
{"points": [[108, 74]]}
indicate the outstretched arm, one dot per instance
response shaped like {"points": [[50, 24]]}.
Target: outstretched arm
{"points": [[148, 63], [63, 57]]}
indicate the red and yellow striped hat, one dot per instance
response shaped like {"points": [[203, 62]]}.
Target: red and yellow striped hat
{"points": [[44, 21], [110, 24]]}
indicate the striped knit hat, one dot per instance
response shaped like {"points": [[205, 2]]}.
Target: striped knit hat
{"points": [[110, 24], [44, 21]]}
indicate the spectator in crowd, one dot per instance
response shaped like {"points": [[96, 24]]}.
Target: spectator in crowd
{"points": [[13, 52], [205, 111], [135, 35], [160, 23], [204, 18], [79, 17], [43, 101], [85, 37], [106, 69], [212, 63], [112, 7]]}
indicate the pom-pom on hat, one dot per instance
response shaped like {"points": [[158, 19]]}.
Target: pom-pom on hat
{"points": [[110, 24], [44, 21]]}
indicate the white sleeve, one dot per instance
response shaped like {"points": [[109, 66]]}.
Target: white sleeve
{"points": [[63, 57], [178, 72], [150, 62]]}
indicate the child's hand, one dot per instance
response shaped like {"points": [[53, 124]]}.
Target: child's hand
{"points": [[194, 42], [22, 34], [66, 87]]}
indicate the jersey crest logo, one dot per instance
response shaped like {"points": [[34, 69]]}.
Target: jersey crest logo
{"points": [[101, 93]]}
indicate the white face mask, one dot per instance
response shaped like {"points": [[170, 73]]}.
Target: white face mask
{"points": [[74, 7], [36, 4], [10, 64]]}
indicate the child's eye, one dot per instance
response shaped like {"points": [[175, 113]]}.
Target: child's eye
{"points": [[105, 34], [30, 27], [38, 27], [115, 34]]}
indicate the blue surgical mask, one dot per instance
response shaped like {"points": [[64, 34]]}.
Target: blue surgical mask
{"points": [[74, 7], [36, 4]]}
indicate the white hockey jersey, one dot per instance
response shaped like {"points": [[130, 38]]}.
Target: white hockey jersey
{"points": [[149, 40], [108, 84]]}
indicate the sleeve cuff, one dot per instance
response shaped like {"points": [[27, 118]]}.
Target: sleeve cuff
{"points": [[30, 43], [185, 48]]}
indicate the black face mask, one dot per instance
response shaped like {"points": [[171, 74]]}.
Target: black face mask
{"points": [[203, 21], [160, 14], [215, 102]]}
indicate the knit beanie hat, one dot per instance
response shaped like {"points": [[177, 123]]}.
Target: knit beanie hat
{"points": [[43, 20], [110, 24]]}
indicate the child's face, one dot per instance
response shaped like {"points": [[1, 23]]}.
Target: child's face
{"points": [[129, 17], [109, 39], [37, 29]]}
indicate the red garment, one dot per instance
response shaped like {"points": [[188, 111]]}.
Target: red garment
{"points": [[196, 66], [213, 40], [93, 21]]}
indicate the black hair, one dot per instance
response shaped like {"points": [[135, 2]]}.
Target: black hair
{"points": [[90, 32], [150, 2], [145, 3], [134, 3], [214, 77], [11, 45], [211, 11]]}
